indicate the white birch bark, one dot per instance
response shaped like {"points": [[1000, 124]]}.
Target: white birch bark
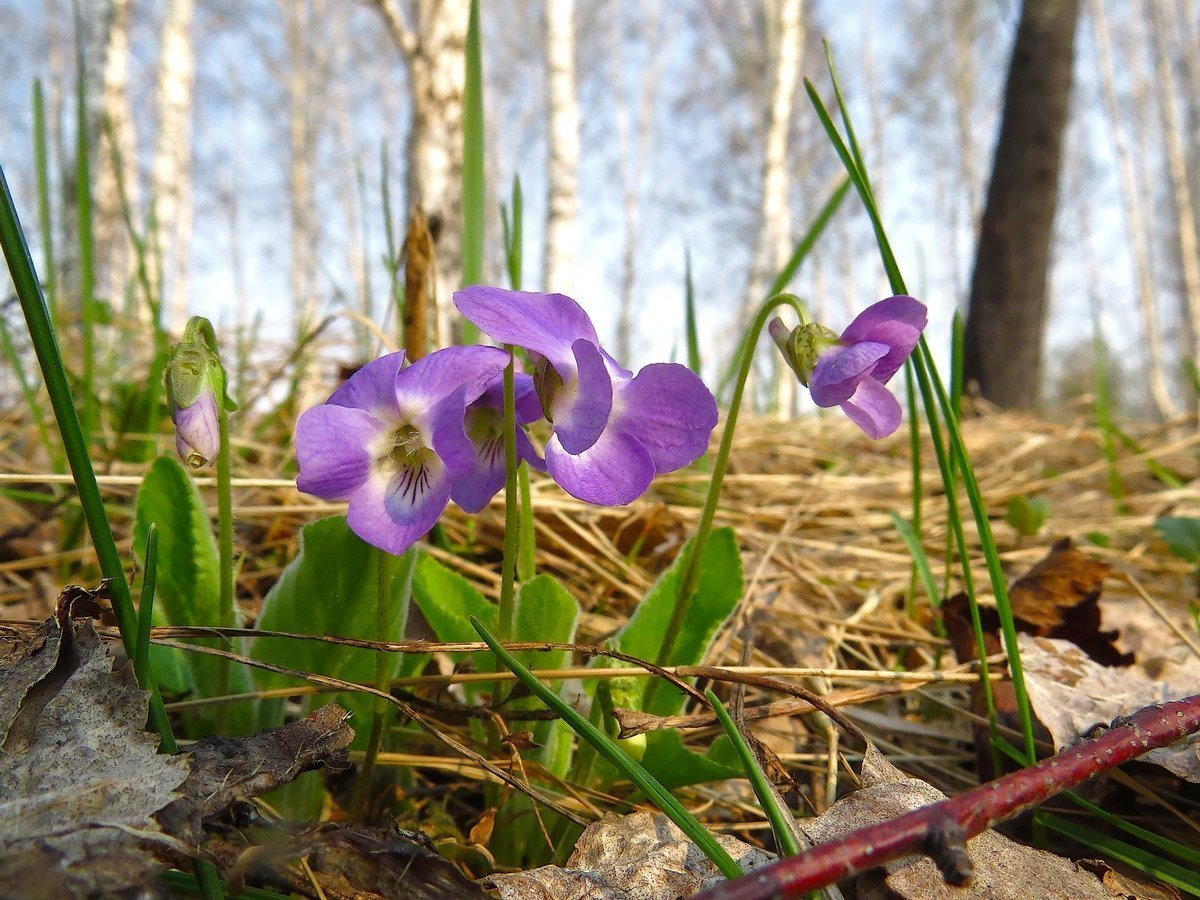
{"points": [[562, 217], [171, 173], [1135, 221], [114, 252], [433, 42], [773, 246], [633, 142], [1161, 13]]}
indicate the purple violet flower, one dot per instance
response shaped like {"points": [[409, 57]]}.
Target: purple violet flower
{"points": [[613, 431], [393, 442], [197, 430], [485, 427], [850, 371]]}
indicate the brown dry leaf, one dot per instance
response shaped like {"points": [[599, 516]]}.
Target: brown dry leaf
{"points": [[80, 780], [1004, 869], [1129, 883], [642, 856], [1071, 695]]}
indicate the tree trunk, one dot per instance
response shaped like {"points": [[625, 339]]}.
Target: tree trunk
{"points": [[1161, 13], [773, 244], [562, 216], [114, 251], [1003, 341], [1133, 198], [434, 49], [172, 169]]}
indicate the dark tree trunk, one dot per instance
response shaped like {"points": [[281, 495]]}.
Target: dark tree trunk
{"points": [[1003, 341]]}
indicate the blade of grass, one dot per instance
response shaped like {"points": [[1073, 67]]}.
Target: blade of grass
{"points": [[1114, 848], [45, 344], [473, 185], [42, 164], [625, 764], [777, 815], [83, 205], [689, 314], [920, 560]]}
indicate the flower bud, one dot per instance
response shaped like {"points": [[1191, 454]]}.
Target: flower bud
{"points": [[197, 429], [802, 346], [195, 385]]}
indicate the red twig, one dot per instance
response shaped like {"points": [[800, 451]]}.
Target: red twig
{"points": [[942, 829]]}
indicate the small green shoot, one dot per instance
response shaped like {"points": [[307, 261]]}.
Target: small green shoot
{"points": [[1027, 515]]}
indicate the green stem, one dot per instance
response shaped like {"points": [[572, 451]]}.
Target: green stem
{"points": [[383, 619], [45, 345], [224, 533], [508, 604], [691, 573]]}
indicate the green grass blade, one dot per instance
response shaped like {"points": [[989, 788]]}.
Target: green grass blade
{"points": [[87, 267], [391, 257], [45, 345], [141, 652], [1114, 848], [41, 158], [473, 186], [513, 220], [920, 559], [779, 817], [957, 342], [689, 315], [605, 746]]}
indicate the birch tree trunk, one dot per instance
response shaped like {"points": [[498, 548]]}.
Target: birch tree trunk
{"points": [[1161, 13], [433, 41], [118, 145], [1004, 333], [562, 217], [171, 175], [1135, 222], [774, 243], [633, 143]]}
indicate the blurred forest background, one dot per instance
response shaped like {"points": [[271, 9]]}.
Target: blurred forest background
{"points": [[275, 143]]}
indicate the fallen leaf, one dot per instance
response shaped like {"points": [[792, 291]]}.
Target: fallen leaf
{"points": [[1004, 869], [642, 856], [1071, 695], [79, 777]]}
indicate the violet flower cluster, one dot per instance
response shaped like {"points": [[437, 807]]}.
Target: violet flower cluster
{"points": [[851, 371], [400, 442]]}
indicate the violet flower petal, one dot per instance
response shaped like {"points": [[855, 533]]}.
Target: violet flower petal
{"points": [[901, 308], [373, 388], [432, 378], [476, 489], [545, 323], [901, 338], [671, 412], [198, 430], [394, 512], [874, 409], [838, 371], [615, 470], [580, 415], [449, 434], [333, 450], [527, 406]]}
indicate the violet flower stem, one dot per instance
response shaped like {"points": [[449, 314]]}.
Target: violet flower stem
{"points": [[691, 573], [508, 606], [383, 595], [961, 818]]}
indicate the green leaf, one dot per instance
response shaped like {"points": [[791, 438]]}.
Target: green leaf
{"points": [[719, 589], [1027, 515], [546, 611], [188, 590], [1182, 534], [675, 766], [448, 600], [332, 588]]}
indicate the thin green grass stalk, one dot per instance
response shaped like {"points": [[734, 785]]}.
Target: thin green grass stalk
{"points": [[958, 327], [45, 345], [391, 258], [1116, 487], [473, 184], [41, 160], [30, 393], [1157, 469], [1189, 855], [931, 384], [87, 268], [1114, 848], [689, 314], [512, 219], [184, 884], [628, 767], [141, 655], [768, 800], [918, 493], [508, 603], [368, 300], [920, 561]]}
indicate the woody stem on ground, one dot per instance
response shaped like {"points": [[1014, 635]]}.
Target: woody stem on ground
{"points": [[691, 573], [942, 829]]}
